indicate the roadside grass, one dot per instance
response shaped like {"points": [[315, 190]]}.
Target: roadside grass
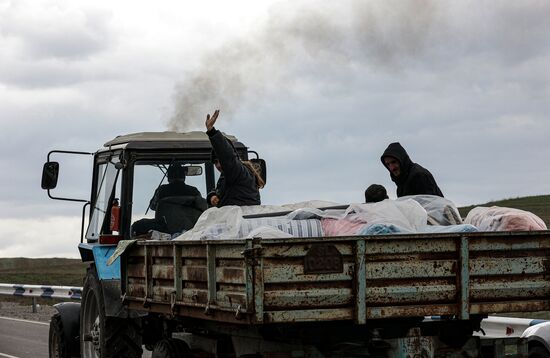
{"points": [[47, 271]]}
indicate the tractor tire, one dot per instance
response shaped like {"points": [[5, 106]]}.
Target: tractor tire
{"points": [[102, 336], [58, 346], [171, 348]]}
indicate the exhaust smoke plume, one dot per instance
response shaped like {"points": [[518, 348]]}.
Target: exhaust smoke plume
{"points": [[380, 35]]}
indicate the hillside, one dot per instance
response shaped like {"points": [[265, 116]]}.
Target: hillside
{"points": [[51, 271], [538, 205]]}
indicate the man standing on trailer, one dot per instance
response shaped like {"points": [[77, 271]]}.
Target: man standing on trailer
{"points": [[411, 178]]}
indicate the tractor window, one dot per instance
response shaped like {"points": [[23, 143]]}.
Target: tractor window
{"points": [[149, 176], [107, 176]]}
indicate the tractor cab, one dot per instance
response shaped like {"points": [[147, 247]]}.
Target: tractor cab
{"points": [[129, 170]]}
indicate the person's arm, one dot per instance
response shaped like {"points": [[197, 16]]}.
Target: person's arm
{"points": [[229, 160]]}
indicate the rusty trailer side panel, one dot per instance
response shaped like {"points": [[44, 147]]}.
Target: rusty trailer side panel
{"points": [[265, 281]]}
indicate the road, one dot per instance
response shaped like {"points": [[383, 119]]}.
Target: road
{"points": [[26, 339], [23, 339]]}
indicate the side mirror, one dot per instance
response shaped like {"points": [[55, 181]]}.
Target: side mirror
{"points": [[50, 173], [261, 167]]}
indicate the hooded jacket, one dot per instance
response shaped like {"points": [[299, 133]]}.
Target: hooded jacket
{"points": [[413, 179], [237, 184]]}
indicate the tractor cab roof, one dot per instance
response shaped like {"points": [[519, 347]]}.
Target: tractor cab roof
{"points": [[166, 140]]}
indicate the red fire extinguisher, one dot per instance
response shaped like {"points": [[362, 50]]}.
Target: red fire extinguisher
{"points": [[115, 216]]}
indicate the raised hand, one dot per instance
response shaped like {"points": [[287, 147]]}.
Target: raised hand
{"points": [[211, 120], [214, 200]]}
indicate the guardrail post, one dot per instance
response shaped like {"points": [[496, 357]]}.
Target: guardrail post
{"points": [[34, 305]]}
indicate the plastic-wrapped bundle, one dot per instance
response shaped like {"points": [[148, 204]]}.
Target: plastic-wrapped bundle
{"points": [[296, 228], [402, 216], [440, 211], [348, 226], [216, 223], [407, 215], [498, 218], [228, 223]]}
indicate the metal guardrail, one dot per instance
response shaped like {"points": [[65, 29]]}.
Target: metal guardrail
{"points": [[73, 293], [34, 291]]}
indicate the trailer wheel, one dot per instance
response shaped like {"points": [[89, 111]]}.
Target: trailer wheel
{"points": [[171, 348], [102, 336], [58, 347]]}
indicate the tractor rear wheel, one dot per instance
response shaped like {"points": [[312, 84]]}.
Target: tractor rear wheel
{"points": [[102, 336]]}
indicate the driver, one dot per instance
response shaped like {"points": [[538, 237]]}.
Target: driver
{"points": [[176, 186], [177, 205]]}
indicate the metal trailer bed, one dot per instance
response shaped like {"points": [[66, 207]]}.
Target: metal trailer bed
{"points": [[355, 279]]}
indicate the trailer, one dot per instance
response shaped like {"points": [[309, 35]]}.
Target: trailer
{"points": [[277, 297], [369, 289]]}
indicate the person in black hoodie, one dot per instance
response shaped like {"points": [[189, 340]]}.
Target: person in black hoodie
{"points": [[410, 178], [239, 183]]}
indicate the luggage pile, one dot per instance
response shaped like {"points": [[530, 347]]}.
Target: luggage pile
{"points": [[406, 215]]}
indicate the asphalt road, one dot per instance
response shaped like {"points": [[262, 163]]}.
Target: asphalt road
{"points": [[23, 339], [27, 339]]}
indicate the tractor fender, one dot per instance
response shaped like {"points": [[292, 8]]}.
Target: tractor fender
{"points": [[99, 255], [108, 275]]}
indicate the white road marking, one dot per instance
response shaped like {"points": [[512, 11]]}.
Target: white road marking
{"points": [[7, 355], [23, 320]]}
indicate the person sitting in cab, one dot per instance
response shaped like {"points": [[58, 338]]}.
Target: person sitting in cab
{"points": [[177, 205]]}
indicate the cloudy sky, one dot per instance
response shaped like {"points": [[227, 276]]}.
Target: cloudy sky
{"points": [[318, 88]]}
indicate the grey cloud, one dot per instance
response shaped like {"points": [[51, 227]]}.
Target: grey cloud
{"points": [[48, 73], [35, 121], [56, 32]]}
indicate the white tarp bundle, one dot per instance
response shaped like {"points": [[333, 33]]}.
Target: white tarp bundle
{"points": [[496, 218], [307, 221], [441, 211]]}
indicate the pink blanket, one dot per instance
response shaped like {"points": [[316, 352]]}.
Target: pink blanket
{"points": [[342, 227]]}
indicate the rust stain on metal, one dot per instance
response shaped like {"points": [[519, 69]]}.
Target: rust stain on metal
{"points": [[232, 274], [135, 270], [163, 272], [510, 306], [196, 273]]}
